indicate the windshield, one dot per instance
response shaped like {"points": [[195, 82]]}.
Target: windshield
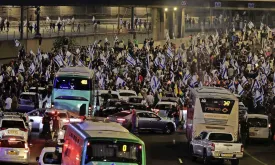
{"points": [[12, 124], [103, 95], [52, 158], [113, 151], [12, 144], [218, 106], [73, 83], [220, 137], [257, 122], [127, 94], [140, 107]]}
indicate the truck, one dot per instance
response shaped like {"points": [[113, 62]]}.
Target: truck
{"points": [[218, 146]]}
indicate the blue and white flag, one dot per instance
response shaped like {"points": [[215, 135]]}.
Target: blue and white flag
{"points": [[47, 74], [240, 90], [267, 69], [90, 65], [249, 58], [256, 85], [194, 82], [80, 63], [172, 76], [224, 73], [162, 63], [130, 60], [231, 86], [32, 69], [244, 81], [12, 73], [154, 84], [186, 77], [17, 43], [120, 81], [264, 79], [258, 97], [148, 61], [59, 61], [101, 83], [169, 52], [21, 68], [156, 61]]}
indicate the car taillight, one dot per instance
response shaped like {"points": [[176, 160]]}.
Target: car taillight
{"points": [[24, 129], [269, 125], [121, 120], [3, 128], [26, 147], [242, 148], [213, 147]]}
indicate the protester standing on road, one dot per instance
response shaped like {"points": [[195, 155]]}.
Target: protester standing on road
{"points": [[56, 124]]}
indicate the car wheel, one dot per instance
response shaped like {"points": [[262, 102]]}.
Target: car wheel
{"points": [[205, 158], [168, 129], [235, 162], [193, 157]]}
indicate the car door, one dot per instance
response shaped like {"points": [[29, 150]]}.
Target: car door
{"points": [[155, 122], [36, 116], [201, 143], [197, 143], [143, 121]]}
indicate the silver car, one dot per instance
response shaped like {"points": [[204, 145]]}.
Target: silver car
{"points": [[14, 150], [147, 121]]}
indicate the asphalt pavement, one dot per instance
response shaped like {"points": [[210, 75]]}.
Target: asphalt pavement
{"points": [[172, 149]]}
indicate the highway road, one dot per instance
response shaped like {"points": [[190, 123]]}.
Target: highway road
{"points": [[172, 150]]}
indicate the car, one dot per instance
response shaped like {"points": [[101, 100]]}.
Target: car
{"points": [[141, 107], [117, 108], [102, 94], [162, 107], [36, 116], [125, 94], [15, 125], [41, 90], [136, 100], [61, 133], [50, 156], [27, 101], [259, 127], [216, 146], [14, 149], [147, 121]]}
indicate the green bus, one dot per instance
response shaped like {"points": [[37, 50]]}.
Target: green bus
{"points": [[73, 90], [101, 143]]}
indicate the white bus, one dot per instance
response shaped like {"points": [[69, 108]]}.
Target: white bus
{"points": [[104, 143], [212, 109]]}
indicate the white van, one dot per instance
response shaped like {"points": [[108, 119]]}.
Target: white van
{"points": [[259, 127]]}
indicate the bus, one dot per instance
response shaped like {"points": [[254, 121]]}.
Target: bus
{"points": [[73, 90], [212, 109], [101, 142]]}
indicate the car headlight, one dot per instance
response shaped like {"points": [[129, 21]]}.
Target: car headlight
{"points": [[60, 133]]}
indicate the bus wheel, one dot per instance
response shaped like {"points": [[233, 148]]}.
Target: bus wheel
{"points": [[235, 162]]}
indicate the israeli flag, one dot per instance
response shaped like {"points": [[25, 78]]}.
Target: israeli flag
{"points": [[148, 61], [47, 74], [231, 86], [172, 76], [262, 26], [130, 60], [80, 63], [21, 68], [186, 77], [249, 58], [170, 53], [90, 65], [156, 61], [267, 69], [264, 79], [12, 73], [32, 69], [224, 73], [256, 85], [120, 81], [59, 61], [101, 83], [17, 43], [154, 83], [194, 81], [162, 63], [258, 97], [244, 81], [240, 90], [250, 25], [77, 51]]}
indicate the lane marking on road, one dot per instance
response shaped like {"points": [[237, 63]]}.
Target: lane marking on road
{"points": [[255, 158], [180, 160]]}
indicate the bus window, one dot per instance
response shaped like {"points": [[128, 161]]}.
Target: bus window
{"points": [[109, 151], [73, 83]]}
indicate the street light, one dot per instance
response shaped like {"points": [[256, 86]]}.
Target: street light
{"points": [[166, 9], [175, 8]]}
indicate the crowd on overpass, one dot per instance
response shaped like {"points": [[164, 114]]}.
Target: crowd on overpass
{"points": [[242, 61]]}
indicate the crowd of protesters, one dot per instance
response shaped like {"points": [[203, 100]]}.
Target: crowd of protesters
{"points": [[241, 61]]}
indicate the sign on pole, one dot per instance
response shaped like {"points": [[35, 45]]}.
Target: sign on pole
{"points": [[218, 4], [251, 5]]}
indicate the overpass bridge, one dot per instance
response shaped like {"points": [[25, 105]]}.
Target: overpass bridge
{"points": [[165, 14]]}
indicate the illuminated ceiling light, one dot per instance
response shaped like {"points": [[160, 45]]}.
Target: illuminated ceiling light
{"points": [[175, 9], [166, 9]]}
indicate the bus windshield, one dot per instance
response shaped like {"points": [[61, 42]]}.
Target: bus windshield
{"points": [[110, 151], [218, 106], [73, 83]]}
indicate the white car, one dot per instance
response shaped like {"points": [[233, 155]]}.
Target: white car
{"points": [[259, 127], [216, 146], [136, 100], [14, 126], [50, 156], [162, 107], [35, 117], [27, 101], [125, 94], [14, 150]]}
